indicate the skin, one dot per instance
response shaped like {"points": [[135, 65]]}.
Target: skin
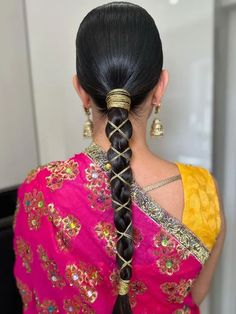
{"points": [[154, 169]]}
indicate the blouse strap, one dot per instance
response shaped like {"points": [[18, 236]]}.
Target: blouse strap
{"points": [[163, 182]]}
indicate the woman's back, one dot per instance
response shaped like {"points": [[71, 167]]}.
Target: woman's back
{"points": [[88, 239], [65, 240]]}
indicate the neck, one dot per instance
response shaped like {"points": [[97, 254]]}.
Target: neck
{"points": [[137, 143]]}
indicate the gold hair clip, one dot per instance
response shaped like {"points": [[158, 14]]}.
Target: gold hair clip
{"points": [[119, 98]]}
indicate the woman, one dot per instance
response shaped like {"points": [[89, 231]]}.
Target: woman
{"points": [[115, 228]]}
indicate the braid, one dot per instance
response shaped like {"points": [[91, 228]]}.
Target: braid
{"points": [[119, 131]]}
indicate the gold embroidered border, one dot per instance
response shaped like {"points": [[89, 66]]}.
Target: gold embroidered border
{"points": [[159, 215]]}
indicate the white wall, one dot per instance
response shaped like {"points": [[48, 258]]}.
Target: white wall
{"points": [[223, 297], [187, 106], [18, 144]]}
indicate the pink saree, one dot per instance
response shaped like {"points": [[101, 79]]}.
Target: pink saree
{"points": [[64, 243]]}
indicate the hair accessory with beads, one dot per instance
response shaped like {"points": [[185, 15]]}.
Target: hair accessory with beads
{"points": [[119, 98]]}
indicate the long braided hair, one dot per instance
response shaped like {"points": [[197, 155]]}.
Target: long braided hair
{"points": [[119, 52]]}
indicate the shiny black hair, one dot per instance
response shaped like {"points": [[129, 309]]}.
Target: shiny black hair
{"points": [[118, 46]]}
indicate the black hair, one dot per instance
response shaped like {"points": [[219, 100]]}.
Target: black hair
{"points": [[118, 46]]}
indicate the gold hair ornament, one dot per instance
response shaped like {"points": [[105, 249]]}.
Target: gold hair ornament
{"points": [[123, 286], [119, 98]]}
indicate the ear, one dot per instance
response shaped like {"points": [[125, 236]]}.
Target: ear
{"points": [[84, 96], [161, 86]]}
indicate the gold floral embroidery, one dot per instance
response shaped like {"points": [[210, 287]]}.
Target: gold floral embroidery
{"points": [[98, 195], [136, 287], [170, 255], [45, 306], [86, 278], [106, 231], [25, 293], [25, 252], [76, 305], [61, 171], [51, 268], [95, 176], [34, 205], [71, 226], [177, 291], [183, 234], [68, 227]]}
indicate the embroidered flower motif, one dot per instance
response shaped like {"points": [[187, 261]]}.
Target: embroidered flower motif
{"points": [[35, 207], [68, 227], [164, 242], [45, 306], [51, 268], [76, 305], [71, 225], [86, 278], [100, 199], [177, 291], [136, 287], [168, 264], [24, 251], [25, 293], [107, 231], [169, 252], [98, 188], [72, 306], [61, 171], [95, 176]]}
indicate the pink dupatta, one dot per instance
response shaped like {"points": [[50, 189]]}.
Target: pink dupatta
{"points": [[64, 242]]}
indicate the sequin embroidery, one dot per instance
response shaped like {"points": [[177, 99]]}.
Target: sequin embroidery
{"points": [[177, 291], [67, 227], [25, 252], [183, 234], [107, 231], [25, 293], [46, 306], [34, 205], [170, 255], [60, 172], [75, 305], [51, 268], [97, 186], [86, 278]]}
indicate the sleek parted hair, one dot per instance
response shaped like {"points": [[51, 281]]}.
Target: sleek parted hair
{"points": [[118, 46]]}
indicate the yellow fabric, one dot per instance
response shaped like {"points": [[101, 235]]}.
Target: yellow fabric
{"points": [[201, 209]]}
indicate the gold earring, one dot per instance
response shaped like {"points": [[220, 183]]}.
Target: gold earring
{"points": [[157, 127], [88, 125]]}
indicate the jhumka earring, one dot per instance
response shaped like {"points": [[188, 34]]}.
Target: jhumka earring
{"points": [[157, 127], [88, 125]]}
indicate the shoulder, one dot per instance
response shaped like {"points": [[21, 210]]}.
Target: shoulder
{"points": [[48, 181], [203, 203], [54, 174], [45, 184]]}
